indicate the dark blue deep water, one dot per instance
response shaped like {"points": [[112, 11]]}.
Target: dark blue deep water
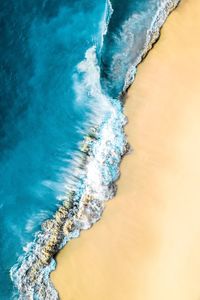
{"points": [[49, 99]]}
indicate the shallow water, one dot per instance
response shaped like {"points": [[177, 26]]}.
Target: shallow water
{"points": [[63, 68]]}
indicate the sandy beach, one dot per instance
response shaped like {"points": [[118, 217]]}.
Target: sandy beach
{"points": [[147, 244]]}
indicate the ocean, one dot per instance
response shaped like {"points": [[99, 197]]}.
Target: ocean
{"points": [[65, 67]]}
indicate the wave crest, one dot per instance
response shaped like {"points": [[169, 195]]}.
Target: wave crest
{"points": [[98, 168]]}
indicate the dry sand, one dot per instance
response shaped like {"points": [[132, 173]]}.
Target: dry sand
{"points": [[147, 244]]}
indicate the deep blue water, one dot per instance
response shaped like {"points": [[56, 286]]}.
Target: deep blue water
{"points": [[48, 100]]}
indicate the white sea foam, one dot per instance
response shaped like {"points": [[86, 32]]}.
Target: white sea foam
{"points": [[163, 10], [105, 21], [88, 87], [36, 219]]}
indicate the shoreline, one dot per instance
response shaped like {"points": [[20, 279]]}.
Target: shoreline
{"points": [[83, 206], [125, 255]]}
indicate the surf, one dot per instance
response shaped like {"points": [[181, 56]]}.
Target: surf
{"points": [[87, 168]]}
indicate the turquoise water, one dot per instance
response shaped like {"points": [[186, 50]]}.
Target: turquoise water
{"points": [[64, 65]]}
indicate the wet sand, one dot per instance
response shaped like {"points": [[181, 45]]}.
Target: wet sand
{"points": [[147, 244]]}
